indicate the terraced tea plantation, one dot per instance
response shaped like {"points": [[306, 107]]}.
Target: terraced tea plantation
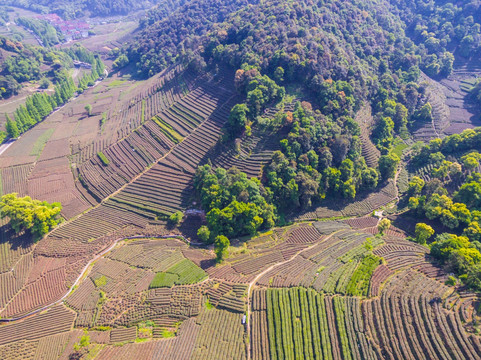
{"points": [[246, 180], [323, 290]]}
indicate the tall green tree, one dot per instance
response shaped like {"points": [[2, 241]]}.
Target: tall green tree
{"points": [[221, 246], [11, 127], [388, 165], [423, 233]]}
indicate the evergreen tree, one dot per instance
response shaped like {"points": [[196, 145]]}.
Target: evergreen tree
{"points": [[11, 126]]}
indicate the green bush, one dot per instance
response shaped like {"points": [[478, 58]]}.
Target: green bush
{"points": [[103, 158], [182, 273]]}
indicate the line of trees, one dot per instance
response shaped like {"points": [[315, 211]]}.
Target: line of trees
{"points": [[39, 105], [45, 32]]}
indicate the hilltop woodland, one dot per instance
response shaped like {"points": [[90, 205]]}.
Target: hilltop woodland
{"points": [[302, 177]]}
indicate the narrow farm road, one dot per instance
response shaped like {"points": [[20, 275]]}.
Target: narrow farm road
{"points": [[6, 145], [253, 282], [85, 271]]}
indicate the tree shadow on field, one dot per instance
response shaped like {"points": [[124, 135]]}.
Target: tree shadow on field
{"points": [[208, 263], [16, 241]]}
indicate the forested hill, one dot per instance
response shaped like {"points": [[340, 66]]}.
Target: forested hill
{"points": [[78, 8], [168, 36], [338, 40], [440, 25]]}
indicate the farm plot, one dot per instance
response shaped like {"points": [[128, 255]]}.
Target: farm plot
{"points": [[13, 280], [462, 114], [183, 272], [14, 179], [167, 186], [122, 111], [179, 347], [221, 336], [116, 290], [20, 350], [163, 305], [369, 151], [116, 279], [399, 253], [84, 300], [130, 156], [408, 319], [52, 180], [265, 251], [12, 247], [228, 296], [340, 264], [19, 152], [56, 320], [362, 222], [44, 283], [76, 234], [57, 346], [305, 324], [372, 202], [364, 205], [249, 153]]}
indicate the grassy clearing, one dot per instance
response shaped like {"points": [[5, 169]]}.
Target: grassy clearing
{"points": [[116, 83], [40, 142], [398, 148], [101, 281], [182, 273], [103, 158], [163, 280]]}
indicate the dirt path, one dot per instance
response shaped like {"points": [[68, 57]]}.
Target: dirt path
{"points": [[85, 271], [6, 145], [252, 284]]}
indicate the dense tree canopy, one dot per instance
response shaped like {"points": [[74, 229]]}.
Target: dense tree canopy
{"points": [[452, 201], [221, 246], [38, 217], [235, 205], [33, 63], [318, 157], [441, 26]]}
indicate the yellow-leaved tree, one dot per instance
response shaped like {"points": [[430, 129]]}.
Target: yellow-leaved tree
{"points": [[36, 216]]}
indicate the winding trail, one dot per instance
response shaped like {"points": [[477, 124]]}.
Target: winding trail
{"points": [[86, 269]]}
